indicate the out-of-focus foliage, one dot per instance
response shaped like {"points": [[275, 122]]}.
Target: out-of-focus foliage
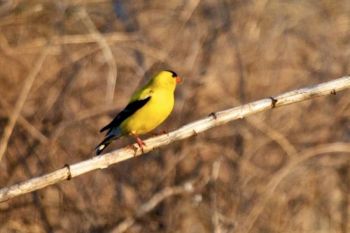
{"points": [[228, 52]]}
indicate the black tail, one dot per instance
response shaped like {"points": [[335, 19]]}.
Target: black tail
{"points": [[104, 144]]}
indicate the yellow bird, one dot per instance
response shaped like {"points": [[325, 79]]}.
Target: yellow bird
{"points": [[148, 108]]}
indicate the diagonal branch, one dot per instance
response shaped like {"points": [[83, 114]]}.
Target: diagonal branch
{"points": [[186, 131]]}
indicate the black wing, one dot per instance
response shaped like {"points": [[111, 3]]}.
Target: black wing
{"points": [[130, 109]]}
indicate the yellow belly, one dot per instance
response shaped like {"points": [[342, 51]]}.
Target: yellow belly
{"points": [[150, 115]]}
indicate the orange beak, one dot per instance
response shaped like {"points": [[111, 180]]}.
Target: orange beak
{"points": [[178, 79]]}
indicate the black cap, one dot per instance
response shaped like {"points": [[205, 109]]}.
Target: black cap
{"points": [[173, 73]]}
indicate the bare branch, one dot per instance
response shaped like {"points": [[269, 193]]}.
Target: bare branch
{"points": [[194, 128]]}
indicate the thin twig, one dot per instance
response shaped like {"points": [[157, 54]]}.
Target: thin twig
{"points": [[278, 137], [249, 221], [107, 53], [152, 203], [192, 129], [215, 212], [39, 43], [20, 101], [30, 128]]}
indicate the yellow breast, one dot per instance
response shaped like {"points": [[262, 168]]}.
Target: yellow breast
{"points": [[151, 114]]}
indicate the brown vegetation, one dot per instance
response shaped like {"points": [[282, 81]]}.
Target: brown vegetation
{"points": [[285, 170]]}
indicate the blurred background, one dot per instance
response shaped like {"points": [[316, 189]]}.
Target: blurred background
{"points": [[67, 67]]}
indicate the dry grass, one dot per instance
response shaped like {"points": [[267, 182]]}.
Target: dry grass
{"points": [[287, 170]]}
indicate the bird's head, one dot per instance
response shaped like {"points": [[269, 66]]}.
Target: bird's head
{"points": [[166, 79]]}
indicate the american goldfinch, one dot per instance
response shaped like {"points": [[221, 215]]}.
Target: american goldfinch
{"points": [[148, 108]]}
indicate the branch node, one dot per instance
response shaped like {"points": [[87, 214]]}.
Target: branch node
{"points": [[273, 102], [333, 92], [213, 114], [195, 132], [69, 172]]}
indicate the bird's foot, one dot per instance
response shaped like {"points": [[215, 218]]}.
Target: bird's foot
{"points": [[134, 148], [140, 143]]}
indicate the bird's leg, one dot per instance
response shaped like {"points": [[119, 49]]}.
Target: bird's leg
{"points": [[139, 142]]}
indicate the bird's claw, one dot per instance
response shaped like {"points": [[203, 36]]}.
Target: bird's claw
{"points": [[134, 148], [140, 143]]}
